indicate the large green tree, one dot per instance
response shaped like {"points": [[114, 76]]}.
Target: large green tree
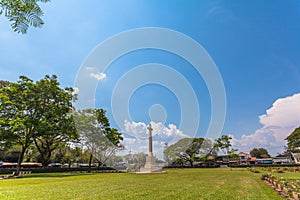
{"points": [[57, 124], [260, 153], [293, 141], [96, 134], [27, 113], [22, 13], [187, 150], [18, 119]]}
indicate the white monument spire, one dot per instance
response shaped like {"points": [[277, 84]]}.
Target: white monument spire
{"points": [[150, 139], [150, 166]]}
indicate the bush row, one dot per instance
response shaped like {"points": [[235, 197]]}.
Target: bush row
{"points": [[236, 166], [56, 169], [172, 167]]}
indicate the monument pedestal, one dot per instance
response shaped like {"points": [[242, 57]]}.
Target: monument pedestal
{"points": [[151, 166]]}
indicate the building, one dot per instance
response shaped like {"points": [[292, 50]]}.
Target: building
{"points": [[282, 160], [244, 158]]}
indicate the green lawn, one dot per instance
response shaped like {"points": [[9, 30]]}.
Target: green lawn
{"points": [[176, 184]]}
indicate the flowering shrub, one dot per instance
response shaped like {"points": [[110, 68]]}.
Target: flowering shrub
{"points": [[290, 188]]}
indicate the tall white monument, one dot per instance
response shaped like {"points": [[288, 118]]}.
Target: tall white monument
{"points": [[150, 166]]}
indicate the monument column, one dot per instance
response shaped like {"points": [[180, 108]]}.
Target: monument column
{"points": [[150, 139], [150, 165]]}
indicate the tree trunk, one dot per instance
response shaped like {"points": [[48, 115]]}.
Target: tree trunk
{"points": [[45, 158], [99, 163], [47, 161], [45, 153], [41, 153], [90, 163], [20, 159], [191, 163]]}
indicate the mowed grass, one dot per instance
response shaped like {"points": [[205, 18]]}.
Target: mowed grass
{"points": [[176, 184]]}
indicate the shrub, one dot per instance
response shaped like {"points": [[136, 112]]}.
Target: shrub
{"points": [[264, 177]]}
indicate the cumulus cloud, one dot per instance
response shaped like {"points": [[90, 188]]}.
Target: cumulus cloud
{"points": [[278, 122], [139, 130], [285, 112], [98, 76], [138, 142]]}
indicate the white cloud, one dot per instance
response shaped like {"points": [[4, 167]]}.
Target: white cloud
{"points": [[285, 112], [94, 73], [75, 90], [129, 141], [98, 76], [161, 135], [160, 131], [137, 129], [278, 122], [90, 68]]}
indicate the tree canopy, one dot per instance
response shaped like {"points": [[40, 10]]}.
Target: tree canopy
{"points": [[22, 13], [96, 134], [293, 141], [57, 124], [187, 150], [35, 112], [260, 153]]}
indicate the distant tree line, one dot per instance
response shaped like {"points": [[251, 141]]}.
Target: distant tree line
{"points": [[189, 150]]}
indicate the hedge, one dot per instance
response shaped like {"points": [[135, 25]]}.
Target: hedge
{"points": [[57, 169]]}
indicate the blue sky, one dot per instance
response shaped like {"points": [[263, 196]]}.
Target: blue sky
{"points": [[255, 45]]}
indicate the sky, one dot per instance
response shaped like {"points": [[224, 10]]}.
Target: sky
{"points": [[247, 84]]}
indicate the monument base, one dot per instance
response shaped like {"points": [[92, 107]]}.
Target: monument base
{"points": [[151, 166]]}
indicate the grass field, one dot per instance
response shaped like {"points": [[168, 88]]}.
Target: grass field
{"points": [[176, 184]]}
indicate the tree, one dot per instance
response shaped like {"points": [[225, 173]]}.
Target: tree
{"points": [[259, 153], [223, 143], [27, 113], [174, 151], [232, 153], [65, 153], [18, 120], [187, 149], [96, 134], [190, 153], [22, 13], [57, 124], [293, 141], [3, 83]]}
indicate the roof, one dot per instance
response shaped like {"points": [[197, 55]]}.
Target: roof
{"points": [[253, 159], [244, 153]]}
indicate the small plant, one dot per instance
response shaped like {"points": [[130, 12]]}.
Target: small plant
{"points": [[264, 177]]}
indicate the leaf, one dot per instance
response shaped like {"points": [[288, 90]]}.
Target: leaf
{"points": [[22, 13]]}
